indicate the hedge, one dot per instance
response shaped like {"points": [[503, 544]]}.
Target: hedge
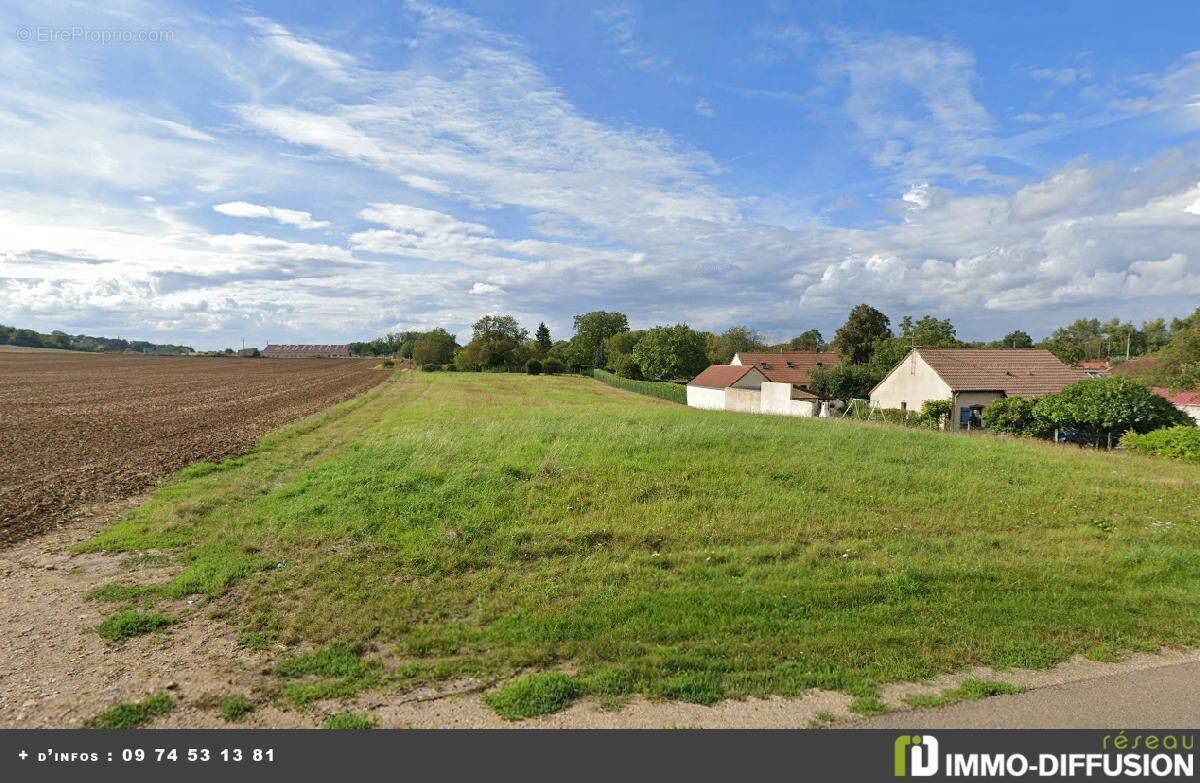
{"points": [[1180, 442], [673, 392]]}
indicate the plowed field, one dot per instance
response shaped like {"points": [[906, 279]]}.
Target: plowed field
{"points": [[76, 428]]}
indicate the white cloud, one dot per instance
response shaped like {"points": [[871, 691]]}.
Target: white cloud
{"points": [[289, 217], [704, 108], [1062, 76], [480, 289]]}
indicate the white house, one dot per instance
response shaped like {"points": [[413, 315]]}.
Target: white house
{"points": [[711, 388], [971, 378]]}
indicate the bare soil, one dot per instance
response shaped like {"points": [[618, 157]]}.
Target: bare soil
{"points": [[77, 429]]}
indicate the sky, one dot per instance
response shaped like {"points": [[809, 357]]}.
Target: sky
{"points": [[211, 173]]}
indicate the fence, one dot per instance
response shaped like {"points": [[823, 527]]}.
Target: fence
{"points": [[672, 392]]}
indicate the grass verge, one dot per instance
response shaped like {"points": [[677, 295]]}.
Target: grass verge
{"points": [[969, 690]]}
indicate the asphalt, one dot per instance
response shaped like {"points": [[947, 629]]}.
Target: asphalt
{"points": [[1167, 697]]}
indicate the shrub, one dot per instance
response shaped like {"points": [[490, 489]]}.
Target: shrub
{"points": [[533, 367], [1016, 416], [1107, 407], [387, 363], [553, 366], [429, 367], [532, 695], [1179, 442], [932, 413]]}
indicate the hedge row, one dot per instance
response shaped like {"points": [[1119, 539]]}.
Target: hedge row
{"points": [[673, 392]]}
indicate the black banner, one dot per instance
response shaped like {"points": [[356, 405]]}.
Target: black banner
{"points": [[537, 755]]}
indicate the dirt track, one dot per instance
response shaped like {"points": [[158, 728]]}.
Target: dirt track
{"points": [[76, 429]]}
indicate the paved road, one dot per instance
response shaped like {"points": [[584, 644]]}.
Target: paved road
{"points": [[1167, 697]]}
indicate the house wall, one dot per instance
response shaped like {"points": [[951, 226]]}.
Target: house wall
{"points": [[910, 383], [704, 397], [967, 400], [777, 399], [743, 400]]}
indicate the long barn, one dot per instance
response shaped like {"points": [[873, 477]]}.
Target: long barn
{"points": [[307, 351]]}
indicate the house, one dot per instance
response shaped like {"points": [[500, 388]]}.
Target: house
{"points": [[306, 351], [793, 367], [758, 387], [971, 378], [1186, 401]]}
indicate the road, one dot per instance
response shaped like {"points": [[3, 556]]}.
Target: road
{"points": [[1167, 697]]}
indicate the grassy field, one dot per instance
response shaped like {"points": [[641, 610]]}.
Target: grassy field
{"points": [[487, 524]]}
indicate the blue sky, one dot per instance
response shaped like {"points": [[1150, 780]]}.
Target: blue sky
{"points": [[293, 172]]}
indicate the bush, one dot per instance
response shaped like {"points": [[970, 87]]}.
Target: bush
{"points": [[1179, 442], [932, 413], [533, 367], [429, 367], [1016, 416], [1107, 407], [387, 363], [553, 367]]}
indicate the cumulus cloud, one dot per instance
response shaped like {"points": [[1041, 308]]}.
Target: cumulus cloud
{"points": [[289, 217]]}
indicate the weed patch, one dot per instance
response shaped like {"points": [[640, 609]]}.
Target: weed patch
{"points": [[130, 716], [533, 695], [129, 623]]}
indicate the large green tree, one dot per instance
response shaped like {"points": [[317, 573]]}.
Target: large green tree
{"points": [[864, 329], [496, 341], [542, 335], [1107, 408], [671, 353], [591, 330], [844, 381], [1016, 339], [735, 339], [810, 340], [434, 347]]}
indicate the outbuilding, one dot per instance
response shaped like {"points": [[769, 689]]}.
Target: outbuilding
{"points": [[723, 384]]}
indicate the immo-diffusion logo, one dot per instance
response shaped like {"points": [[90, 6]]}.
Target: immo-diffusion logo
{"points": [[1150, 755], [916, 755]]}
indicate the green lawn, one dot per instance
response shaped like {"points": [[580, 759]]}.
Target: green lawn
{"points": [[490, 524]]}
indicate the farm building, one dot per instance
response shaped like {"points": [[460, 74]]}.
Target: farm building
{"points": [[1186, 401], [307, 351], [756, 387], [971, 378]]}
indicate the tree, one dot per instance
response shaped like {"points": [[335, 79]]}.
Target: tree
{"points": [[619, 350], [495, 342], [1017, 339], [735, 339], [591, 330], [1178, 363], [671, 353], [1105, 408], [865, 328], [844, 382], [810, 340], [542, 335], [1155, 334], [435, 347]]}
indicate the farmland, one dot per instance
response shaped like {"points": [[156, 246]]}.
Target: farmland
{"points": [[452, 526], [77, 428]]}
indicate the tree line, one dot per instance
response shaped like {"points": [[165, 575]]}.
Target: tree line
{"points": [[866, 343], [28, 338]]}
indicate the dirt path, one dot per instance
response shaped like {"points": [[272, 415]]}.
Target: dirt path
{"points": [[56, 672]]}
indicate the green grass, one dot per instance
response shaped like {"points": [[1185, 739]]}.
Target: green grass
{"points": [[869, 705], [822, 719], [533, 695], [672, 392], [130, 716], [129, 623], [485, 525], [346, 720], [234, 708], [969, 690]]}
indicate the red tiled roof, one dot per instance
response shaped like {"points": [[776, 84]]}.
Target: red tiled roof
{"points": [[1179, 397], [1094, 365], [720, 376], [1018, 372], [788, 366]]}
